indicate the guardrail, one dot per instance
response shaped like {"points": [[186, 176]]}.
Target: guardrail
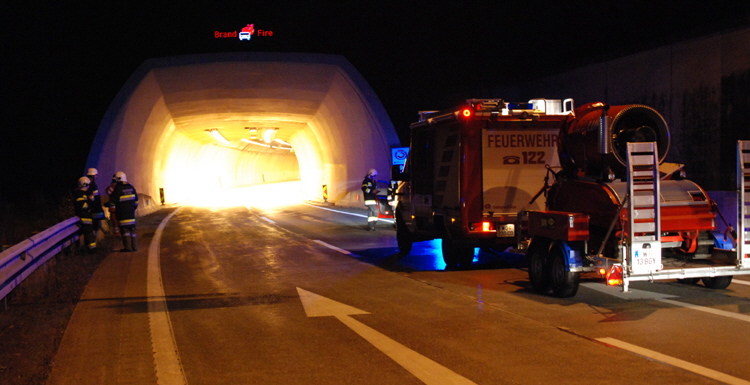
{"points": [[20, 260]]}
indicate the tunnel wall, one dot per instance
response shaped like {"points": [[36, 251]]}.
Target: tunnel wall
{"points": [[348, 129], [700, 86]]}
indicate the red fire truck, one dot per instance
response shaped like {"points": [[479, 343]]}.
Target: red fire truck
{"points": [[472, 169]]}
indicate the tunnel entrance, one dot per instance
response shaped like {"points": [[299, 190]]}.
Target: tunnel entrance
{"points": [[198, 126]]}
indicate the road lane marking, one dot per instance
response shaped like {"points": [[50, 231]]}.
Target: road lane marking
{"points": [[427, 370], [347, 213], [268, 220], [642, 294], [169, 370], [741, 282], [723, 313], [703, 371], [616, 291], [332, 247]]}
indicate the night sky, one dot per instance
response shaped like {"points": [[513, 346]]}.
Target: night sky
{"points": [[63, 64]]}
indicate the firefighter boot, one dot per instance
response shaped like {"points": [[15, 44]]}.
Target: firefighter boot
{"points": [[134, 241], [126, 242]]}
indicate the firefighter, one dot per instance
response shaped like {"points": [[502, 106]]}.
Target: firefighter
{"points": [[111, 208], [97, 212], [82, 200], [370, 191], [124, 199]]}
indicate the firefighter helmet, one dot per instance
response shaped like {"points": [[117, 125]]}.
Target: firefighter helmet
{"points": [[92, 171], [83, 182], [373, 172], [121, 177]]}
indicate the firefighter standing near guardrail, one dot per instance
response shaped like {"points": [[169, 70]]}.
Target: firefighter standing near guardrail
{"points": [[370, 191], [82, 199], [124, 199], [97, 212], [112, 217]]}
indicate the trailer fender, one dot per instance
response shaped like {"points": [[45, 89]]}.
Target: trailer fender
{"points": [[573, 256]]}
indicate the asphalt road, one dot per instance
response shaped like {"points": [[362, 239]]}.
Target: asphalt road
{"points": [[304, 295]]}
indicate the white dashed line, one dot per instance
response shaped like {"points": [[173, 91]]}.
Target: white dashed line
{"points": [[697, 369], [332, 247]]}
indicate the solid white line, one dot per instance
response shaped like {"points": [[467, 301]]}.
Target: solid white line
{"points": [[347, 213], [703, 371], [169, 369], [741, 282], [642, 294], [728, 314]]}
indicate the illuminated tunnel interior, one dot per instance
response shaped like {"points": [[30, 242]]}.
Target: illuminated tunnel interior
{"points": [[200, 127]]}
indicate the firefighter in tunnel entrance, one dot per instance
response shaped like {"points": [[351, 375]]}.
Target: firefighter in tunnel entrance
{"points": [[370, 192], [124, 199]]}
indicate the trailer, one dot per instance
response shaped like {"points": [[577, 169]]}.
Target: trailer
{"points": [[618, 210]]}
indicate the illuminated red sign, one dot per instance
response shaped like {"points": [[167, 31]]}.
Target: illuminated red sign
{"points": [[246, 33]]}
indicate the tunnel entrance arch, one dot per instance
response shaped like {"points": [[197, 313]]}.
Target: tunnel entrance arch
{"points": [[195, 125]]}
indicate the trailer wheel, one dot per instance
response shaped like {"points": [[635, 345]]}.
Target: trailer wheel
{"points": [[403, 235], [536, 257], [717, 282], [456, 254], [564, 283]]}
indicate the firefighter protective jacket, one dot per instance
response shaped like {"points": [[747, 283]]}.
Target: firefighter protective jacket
{"points": [[370, 190], [97, 212], [81, 205], [125, 200]]}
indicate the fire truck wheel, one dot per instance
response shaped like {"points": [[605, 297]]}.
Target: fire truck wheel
{"points": [[456, 254], [536, 257], [403, 236], [564, 283], [688, 281], [717, 282]]}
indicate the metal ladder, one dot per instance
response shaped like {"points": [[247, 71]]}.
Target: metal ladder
{"points": [[644, 209], [743, 203]]}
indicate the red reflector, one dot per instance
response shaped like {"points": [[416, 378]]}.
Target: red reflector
{"points": [[614, 276], [466, 112]]}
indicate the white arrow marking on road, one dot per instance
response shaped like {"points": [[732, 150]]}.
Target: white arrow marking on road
{"points": [[427, 370]]}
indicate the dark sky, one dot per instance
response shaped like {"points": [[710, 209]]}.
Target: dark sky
{"points": [[63, 64]]}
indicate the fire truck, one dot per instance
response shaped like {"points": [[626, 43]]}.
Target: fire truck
{"points": [[472, 169], [617, 209]]}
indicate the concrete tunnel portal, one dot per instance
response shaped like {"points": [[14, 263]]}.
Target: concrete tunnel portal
{"points": [[197, 127]]}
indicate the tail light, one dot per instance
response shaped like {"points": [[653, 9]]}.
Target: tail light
{"points": [[614, 276], [485, 227]]}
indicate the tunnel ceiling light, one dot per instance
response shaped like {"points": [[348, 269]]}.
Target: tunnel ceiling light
{"points": [[253, 132], [282, 146], [269, 134], [217, 135]]}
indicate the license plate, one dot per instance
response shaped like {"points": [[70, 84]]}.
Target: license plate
{"points": [[506, 231], [646, 259]]}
